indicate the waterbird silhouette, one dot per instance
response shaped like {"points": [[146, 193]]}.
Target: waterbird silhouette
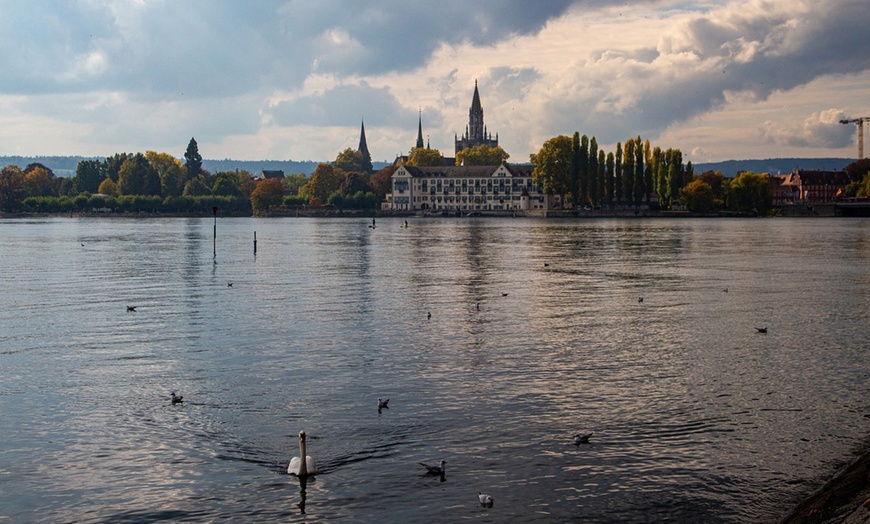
{"points": [[229, 284], [761, 329], [177, 399], [131, 308], [435, 469], [582, 438], [485, 500], [304, 466], [383, 403]]}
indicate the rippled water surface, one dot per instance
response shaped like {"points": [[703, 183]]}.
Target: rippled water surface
{"points": [[536, 333]]}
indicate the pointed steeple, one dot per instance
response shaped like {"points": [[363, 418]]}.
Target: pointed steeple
{"points": [[364, 148], [420, 130], [475, 101]]}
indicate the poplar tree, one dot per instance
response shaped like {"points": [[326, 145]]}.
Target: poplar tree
{"points": [[584, 168], [602, 175], [638, 171], [593, 171], [575, 168], [617, 174], [611, 177], [628, 171]]}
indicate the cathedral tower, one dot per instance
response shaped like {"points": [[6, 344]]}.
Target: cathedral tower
{"points": [[475, 133]]}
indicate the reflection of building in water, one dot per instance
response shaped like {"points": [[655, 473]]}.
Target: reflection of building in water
{"points": [[508, 187]]}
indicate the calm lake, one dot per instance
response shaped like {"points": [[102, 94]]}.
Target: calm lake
{"points": [[537, 332]]}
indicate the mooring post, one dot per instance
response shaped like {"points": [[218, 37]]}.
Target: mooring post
{"points": [[255, 243], [214, 210]]}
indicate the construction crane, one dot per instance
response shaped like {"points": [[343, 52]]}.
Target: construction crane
{"points": [[860, 122]]}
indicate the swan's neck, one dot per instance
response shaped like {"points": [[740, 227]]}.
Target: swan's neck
{"points": [[303, 459]]}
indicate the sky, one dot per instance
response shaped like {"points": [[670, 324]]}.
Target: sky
{"points": [[294, 79]]}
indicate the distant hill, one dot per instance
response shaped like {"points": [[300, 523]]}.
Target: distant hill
{"points": [[65, 166], [774, 166]]}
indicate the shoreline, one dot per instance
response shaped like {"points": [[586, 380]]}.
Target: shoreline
{"points": [[844, 499]]}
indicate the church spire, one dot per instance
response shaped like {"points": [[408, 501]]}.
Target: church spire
{"points": [[475, 101], [363, 146], [420, 130]]}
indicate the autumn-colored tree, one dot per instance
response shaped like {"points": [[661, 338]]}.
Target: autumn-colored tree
{"points": [[268, 193], [425, 157], [39, 181], [109, 187], [171, 172], [324, 182], [553, 165], [698, 197], [575, 168], [382, 181], [12, 192], [481, 155], [112, 165], [716, 181]]}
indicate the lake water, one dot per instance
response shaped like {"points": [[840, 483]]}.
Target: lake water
{"points": [[695, 416]]}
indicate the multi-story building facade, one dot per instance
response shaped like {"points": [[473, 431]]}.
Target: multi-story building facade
{"points": [[467, 189]]}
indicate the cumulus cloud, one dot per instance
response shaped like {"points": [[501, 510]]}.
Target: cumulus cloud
{"points": [[822, 129]]}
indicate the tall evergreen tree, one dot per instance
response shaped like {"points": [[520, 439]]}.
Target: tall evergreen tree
{"points": [[617, 175], [611, 178], [89, 175], [602, 176], [575, 168], [638, 172], [192, 160], [593, 171], [628, 159], [584, 168]]}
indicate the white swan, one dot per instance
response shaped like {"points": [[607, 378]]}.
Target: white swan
{"points": [[299, 467], [485, 500]]}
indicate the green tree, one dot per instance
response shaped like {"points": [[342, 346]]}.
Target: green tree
{"points": [[196, 188], [12, 192], [716, 182], [293, 183], [112, 165], [192, 160], [553, 165], [858, 170], [575, 168], [602, 176], [351, 160], [628, 159], [751, 193], [425, 157], [698, 197], [267, 194], [617, 175], [639, 189], [583, 169], [353, 183], [109, 187], [325, 181], [89, 175], [610, 166], [382, 181], [481, 155], [593, 171], [138, 177], [170, 171]]}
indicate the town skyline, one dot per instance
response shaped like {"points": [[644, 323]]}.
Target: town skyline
{"points": [[719, 80]]}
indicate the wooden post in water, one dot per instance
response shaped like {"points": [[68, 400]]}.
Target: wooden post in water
{"points": [[214, 210], [255, 243]]}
